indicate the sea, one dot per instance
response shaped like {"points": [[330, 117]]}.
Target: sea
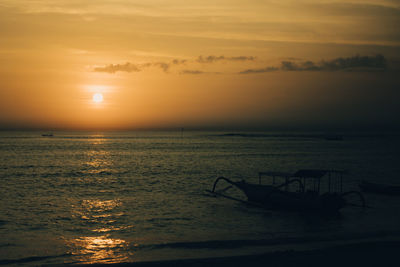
{"points": [[114, 197]]}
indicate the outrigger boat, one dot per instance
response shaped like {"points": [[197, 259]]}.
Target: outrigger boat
{"points": [[376, 188], [300, 191]]}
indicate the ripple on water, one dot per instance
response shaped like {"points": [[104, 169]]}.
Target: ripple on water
{"points": [[100, 249]]}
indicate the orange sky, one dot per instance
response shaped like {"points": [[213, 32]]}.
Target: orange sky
{"points": [[257, 64]]}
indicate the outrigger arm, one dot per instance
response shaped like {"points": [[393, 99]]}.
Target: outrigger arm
{"points": [[223, 178], [358, 194]]}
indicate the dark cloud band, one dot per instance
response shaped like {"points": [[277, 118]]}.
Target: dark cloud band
{"points": [[356, 63], [113, 68], [130, 67], [212, 59], [192, 72]]}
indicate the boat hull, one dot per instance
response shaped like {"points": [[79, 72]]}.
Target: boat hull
{"points": [[272, 198], [380, 188]]}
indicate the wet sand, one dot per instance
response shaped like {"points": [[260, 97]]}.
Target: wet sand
{"points": [[382, 253]]}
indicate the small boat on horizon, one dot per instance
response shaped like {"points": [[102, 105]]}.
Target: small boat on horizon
{"points": [[300, 191], [48, 135]]}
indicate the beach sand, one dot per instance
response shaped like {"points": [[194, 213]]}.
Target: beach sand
{"points": [[381, 253]]}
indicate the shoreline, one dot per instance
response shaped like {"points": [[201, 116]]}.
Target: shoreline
{"points": [[375, 253]]}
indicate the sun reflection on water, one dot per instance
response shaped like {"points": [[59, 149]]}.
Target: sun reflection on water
{"points": [[97, 139], [99, 221], [101, 249], [100, 205], [97, 161], [102, 217]]}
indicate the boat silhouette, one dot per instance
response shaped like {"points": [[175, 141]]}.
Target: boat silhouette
{"points": [[300, 191], [376, 188]]}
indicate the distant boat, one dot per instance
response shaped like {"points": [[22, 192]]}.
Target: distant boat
{"points": [[380, 188], [306, 197], [48, 135]]}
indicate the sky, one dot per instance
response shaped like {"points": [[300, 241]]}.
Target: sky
{"points": [[220, 64]]}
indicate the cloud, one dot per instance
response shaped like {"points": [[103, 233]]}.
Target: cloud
{"points": [[212, 59], [113, 68], [242, 58], [179, 61], [373, 63], [356, 63], [164, 66], [192, 72], [196, 72], [362, 63], [261, 70], [130, 67]]}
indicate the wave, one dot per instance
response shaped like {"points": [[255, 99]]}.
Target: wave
{"points": [[85, 173], [274, 135], [312, 135], [7, 245], [31, 259], [240, 243], [170, 219], [96, 137]]}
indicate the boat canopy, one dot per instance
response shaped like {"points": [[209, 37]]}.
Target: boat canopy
{"points": [[280, 174], [273, 174], [335, 178], [310, 173]]}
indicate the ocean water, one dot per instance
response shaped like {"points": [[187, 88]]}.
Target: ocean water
{"points": [[82, 197]]}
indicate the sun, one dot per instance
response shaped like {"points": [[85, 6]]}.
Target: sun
{"points": [[97, 98]]}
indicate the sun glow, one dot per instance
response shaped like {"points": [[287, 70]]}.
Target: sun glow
{"points": [[97, 98]]}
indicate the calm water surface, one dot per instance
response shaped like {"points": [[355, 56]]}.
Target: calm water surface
{"points": [[134, 196]]}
